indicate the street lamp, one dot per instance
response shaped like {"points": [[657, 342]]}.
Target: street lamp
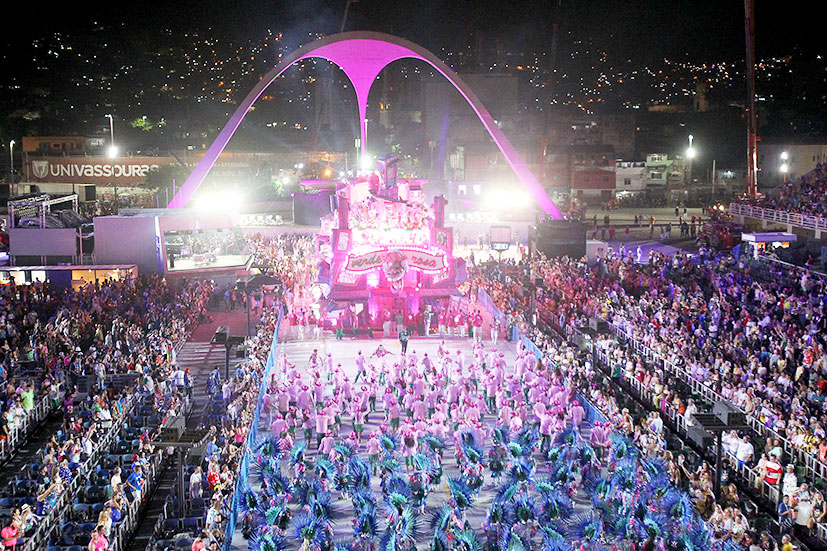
{"points": [[690, 154], [784, 166], [11, 168], [112, 153]]}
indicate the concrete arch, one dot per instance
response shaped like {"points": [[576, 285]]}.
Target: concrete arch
{"points": [[362, 56]]}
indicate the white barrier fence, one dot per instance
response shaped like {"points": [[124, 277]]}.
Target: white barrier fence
{"points": [[813, 467], [780, 216]]}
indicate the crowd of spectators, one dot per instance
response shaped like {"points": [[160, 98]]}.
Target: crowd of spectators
{"points": [[291, 259], [723, 321], [805, 195], [73, 344], [752, 333], [211, 483], [288, 257]]}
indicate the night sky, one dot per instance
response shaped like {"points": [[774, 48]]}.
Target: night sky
{"points": [[705, 30]]}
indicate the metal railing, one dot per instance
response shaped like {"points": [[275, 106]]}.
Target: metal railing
{"points": [[21, 431], [593, 412], [49, 522], [805, 221], [646, 394], [812, 465]]}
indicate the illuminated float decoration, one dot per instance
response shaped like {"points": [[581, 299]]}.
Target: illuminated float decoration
{"points": [[386, 247]]}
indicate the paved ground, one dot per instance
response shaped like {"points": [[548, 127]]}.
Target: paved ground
{"points": [[344, 352]]}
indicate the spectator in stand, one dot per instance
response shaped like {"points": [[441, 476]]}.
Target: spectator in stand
{"points": [[805, 195]]}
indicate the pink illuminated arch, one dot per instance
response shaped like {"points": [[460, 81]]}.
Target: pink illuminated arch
{"points": [[362, 56]]}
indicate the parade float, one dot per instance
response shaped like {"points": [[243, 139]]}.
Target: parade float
{"points": [[386, 250]]}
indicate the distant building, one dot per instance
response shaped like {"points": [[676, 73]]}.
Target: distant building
{"points": [[657, 169], [701, 102], [630, 177], [803, 154], [55, 145], [618, 131], [663, 170], [593, 182]]}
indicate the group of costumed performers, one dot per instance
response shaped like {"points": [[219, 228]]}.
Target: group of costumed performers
{"points": [[549, 487]]}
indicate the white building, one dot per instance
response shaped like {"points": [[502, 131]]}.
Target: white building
{"points": [[630, 177]]}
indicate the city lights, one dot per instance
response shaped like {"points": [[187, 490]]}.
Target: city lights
{"points": [[690, 151]]}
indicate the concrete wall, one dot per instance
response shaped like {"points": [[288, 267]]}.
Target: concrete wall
{"points": [[126, 240], [43, 242]]}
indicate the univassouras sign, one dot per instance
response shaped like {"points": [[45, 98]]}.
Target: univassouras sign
{"points": [[93, 170]]}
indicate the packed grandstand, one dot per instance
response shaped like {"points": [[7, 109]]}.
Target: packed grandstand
{"points": [[529, 430]]}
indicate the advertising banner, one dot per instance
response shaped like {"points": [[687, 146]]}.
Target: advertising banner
{"points": [[93, 170], [417, 259]]}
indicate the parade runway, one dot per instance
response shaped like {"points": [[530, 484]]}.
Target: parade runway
{"points": [[345, 352]]}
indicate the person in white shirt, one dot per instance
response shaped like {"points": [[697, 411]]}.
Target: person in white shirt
{"points": [[656, 424], [116, 479], [745, 452], [196, 483], [691, 409], [105, 418], [790, 483]]}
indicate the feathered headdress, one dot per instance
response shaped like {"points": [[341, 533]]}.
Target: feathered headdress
{"points": [[309, 528], [461, 493], [344, 449], [278, 485], [433, 443], [568, 437], [401, 535], [555, 503], [588, 527], [389, 443], [440, 523], [471, 448], [396, 483], [652, 526], [596, 485], [365, 525], [266, 538], [358, 474], [678, 507], [500, 434], [695, 537], [323, 508], [522, 509], [587, 455], [553, 539], [297, 453], [389, 464], [466, 540], [307, 490], [271, 514], [527, 438], [658, 487], [423, 463], [343, 546], [396, 503], [521, 471], [514, 449], [268, 448], [325, 469], [248, 501]]}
